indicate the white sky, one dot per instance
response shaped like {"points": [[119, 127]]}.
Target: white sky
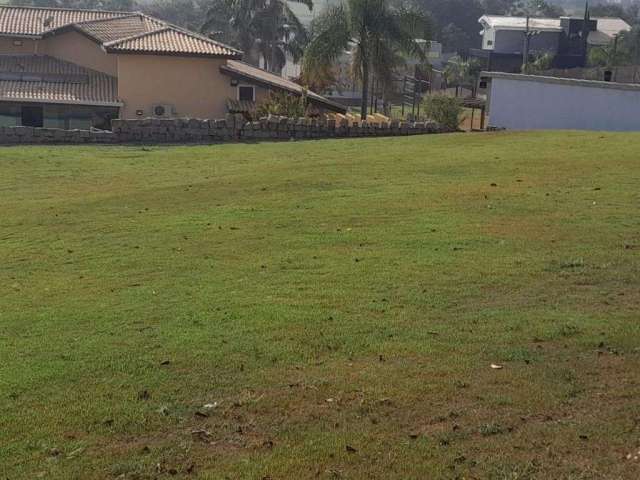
{"points": [[303, 12]]}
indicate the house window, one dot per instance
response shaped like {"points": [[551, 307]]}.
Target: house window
{"points": [[489, 43], [32, 116], [246, 93]]}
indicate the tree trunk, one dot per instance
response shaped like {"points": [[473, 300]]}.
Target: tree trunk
{"points": [[365, 88], [273, 58]]}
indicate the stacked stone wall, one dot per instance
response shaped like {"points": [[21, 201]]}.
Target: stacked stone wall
{"points": [[233, 128]]}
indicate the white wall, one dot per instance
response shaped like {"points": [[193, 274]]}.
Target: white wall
{"points": [[537, 105], [488, 36]]}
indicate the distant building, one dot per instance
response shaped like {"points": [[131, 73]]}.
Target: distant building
{"points": [[503, 39]]}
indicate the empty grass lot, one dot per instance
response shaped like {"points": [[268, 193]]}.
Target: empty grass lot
{"points": [[325, 309]]}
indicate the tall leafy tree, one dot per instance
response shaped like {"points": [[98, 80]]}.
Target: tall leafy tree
{"points": [[462, 73], [536, 8], [373, 30], [457, 21], [624, 51], [266, 30], [629, 13]]}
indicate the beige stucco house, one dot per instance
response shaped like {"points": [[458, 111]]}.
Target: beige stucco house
{"points": [[72, 68]]}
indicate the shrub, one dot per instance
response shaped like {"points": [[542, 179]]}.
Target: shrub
{"points": [[539, 65], [447, 111], [280, 103]]}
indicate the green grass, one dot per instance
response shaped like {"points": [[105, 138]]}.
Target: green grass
{"points": [[339, 302]]}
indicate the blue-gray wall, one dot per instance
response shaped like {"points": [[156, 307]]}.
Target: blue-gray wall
{"points": [[510, 41], [538, 105]]}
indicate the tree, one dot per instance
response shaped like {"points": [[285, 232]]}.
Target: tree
{"points": [[265, 30], [628, 14], [625, 50], [185, 13], [536, 8], [374, 30], [461, 72], [457, 21], [497, 7]]}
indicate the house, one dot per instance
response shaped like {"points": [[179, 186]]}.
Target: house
{"points": [[72, 68], [533, 102], [503, 39]]}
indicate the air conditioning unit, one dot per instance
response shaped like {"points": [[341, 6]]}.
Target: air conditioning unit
{"points": [[162, 110]]}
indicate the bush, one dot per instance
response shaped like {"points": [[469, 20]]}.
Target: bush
{"points": [[280, 103], [447, 111], [539, 65]]}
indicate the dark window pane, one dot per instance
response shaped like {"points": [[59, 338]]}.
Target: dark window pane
{"points": [[245, 93], [32, 115]]}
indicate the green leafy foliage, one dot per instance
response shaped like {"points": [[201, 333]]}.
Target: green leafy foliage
{"points": [[444, 109], [266, 30], [624, 51], [374, 31], [280, 103], [539, 65]]}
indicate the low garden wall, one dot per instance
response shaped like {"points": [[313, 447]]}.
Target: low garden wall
{"points": [[232, 128]]}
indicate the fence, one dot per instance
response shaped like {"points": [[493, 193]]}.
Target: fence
{"points": [[232, 128]]}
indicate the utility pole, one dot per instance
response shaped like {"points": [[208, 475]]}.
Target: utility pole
{"points": [[586, 28], [525, 50]]}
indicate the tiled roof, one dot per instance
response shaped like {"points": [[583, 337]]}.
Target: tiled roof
{"points": [[120, 32], [40, 78], [611, 26], [173, 41], [257, 75], [109, 30], [36, 21], [240, 106]]}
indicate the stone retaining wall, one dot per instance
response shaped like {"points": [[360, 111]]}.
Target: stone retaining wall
{"points": [[232, 128]]}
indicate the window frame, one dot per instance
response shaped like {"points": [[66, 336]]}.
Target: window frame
{"points": [[253, 90]]}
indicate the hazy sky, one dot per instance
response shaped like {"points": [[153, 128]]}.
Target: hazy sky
{"points": [[303, 12]]}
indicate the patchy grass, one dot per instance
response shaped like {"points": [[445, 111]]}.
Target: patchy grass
{"points": [[322, 309]]}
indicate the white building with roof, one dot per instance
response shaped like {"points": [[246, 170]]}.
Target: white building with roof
{"points": [[504, 34]]}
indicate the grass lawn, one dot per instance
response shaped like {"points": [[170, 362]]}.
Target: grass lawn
{"points": [[325, 309]]}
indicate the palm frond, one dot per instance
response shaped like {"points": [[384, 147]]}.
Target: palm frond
{"points": [[330, 38]]}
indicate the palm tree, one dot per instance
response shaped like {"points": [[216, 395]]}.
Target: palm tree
{"points": [[265, 30], [462, 73], [375, 32]]}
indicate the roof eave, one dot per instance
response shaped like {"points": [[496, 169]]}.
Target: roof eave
{"points": [[61, 102], [235, 56], [71, 27], [316, 98], [21, 35], [561, 81], [523, 29]]}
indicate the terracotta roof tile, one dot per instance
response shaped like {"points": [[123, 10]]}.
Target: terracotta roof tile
{"points": [[111, 29], [40, 78], [36, 21], [120, 32], [174, 41]]}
